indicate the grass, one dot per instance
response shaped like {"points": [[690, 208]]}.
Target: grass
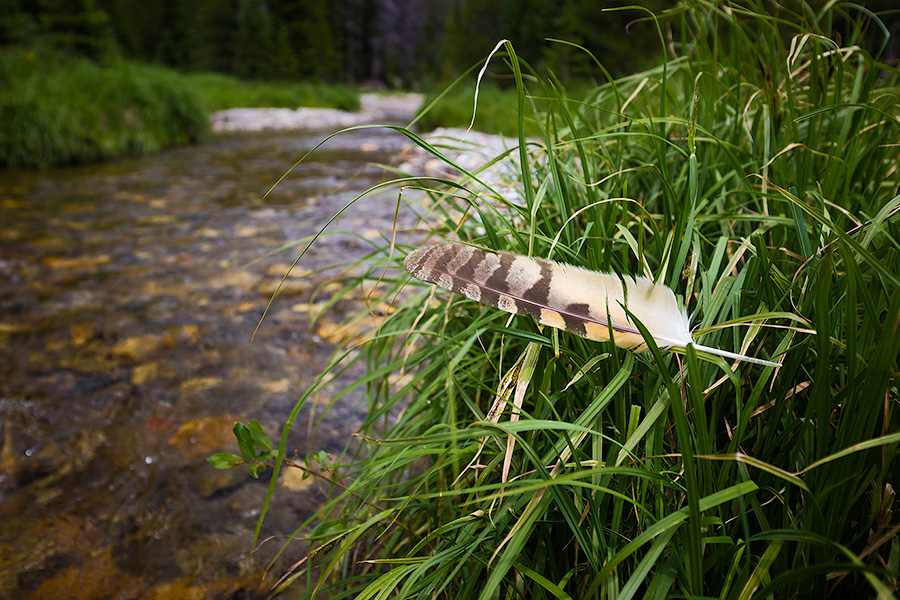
{"points": [[755, 173], [454, 107], [60, 110], [220, 92]]}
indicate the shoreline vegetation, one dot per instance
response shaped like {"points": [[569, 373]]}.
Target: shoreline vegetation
{"points": [[753, 172], [83, 82], [63, 110], [67, 110], [60, 109]]}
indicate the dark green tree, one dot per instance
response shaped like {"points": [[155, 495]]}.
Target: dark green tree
{"points": [[16, 24], [136, 26], [254, 46], [315, 42], [473, 29], [358, 27], [393, 42], [285, 63], [177, 39], [77, 27], [527, 24], [216, 27]]}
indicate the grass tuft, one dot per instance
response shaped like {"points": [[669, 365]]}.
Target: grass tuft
{"points": [[755, 173], [58, 109]]}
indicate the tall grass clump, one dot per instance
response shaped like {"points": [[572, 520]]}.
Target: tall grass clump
{"points": [[59, 109], [755, 173]]}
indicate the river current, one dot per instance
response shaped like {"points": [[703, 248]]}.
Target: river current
{"points": [[128, 295]]}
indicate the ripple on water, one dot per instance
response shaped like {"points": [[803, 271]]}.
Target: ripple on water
{"points": [[128, 298]]}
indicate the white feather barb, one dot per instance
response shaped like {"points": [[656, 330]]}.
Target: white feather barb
{"points": [[586, 303]]}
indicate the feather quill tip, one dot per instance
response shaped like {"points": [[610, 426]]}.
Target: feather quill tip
{"points": [[734, 355]]}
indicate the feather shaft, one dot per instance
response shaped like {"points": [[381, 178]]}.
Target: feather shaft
{"points": [[587, 303], [734, 355]]}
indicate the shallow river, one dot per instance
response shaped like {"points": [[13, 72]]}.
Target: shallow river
{"points": [[128, 297]]}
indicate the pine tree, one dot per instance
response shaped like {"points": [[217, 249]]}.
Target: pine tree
{"points": [[254, 42], [286, 65], [16, 24], [315, 43], [76, 27], [178, 39], [216, 28]]}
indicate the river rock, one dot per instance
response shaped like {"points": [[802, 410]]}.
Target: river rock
{"points": [[204, 436]]}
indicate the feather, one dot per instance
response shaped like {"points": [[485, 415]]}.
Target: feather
{"points": [[587, 303]]}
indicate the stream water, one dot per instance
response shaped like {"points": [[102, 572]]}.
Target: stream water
{"points": [[128, 297]]}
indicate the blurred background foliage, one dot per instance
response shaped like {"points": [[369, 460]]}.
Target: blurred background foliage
{"points": [[394, 43], [398, 43], [195, 57]]}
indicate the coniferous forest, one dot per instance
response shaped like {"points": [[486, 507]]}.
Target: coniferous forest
{"points": [[395, 43]]}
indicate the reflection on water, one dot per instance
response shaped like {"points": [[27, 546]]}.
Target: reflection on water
{"points": [[126, 308]]}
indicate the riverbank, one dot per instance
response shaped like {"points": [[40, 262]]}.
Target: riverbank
{"points": [[468, 150], [62, 110], [374, 109], [59, 109]]}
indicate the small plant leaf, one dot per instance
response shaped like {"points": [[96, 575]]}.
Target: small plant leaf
{"points": [[259, 436], [256, 469], [244, 440], [225, 460]]}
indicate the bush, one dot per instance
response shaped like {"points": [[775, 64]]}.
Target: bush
{"points": [[58, 109], [755, 173]]}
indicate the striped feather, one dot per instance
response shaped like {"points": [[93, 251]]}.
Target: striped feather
{"points": [[587, 303]]}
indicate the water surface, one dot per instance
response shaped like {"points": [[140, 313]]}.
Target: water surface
{"points": [[127, 301]]}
